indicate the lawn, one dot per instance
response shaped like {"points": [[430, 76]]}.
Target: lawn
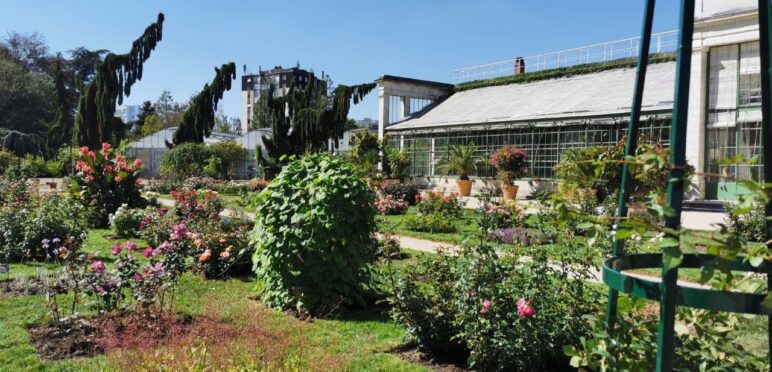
{"points": [[264, 338], [467, 227]]}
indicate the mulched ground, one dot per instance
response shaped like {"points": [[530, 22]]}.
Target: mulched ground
{"points": [[411, 354], [85, 338]]}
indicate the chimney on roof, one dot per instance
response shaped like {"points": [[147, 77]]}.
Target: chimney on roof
{"points": [[519, 65]]}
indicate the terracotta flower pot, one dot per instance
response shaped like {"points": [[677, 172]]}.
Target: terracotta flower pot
{"points": [[509, 191], [464, 187]]}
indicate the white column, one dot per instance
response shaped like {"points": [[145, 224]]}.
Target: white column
{"points": [[695, 129], [405, 103], [383, 111]]}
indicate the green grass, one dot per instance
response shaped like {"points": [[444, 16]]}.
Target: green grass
{"points": [[356, 340], [467, 227]]}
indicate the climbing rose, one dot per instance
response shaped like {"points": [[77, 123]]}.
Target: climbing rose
{"points": [[485, 306]]}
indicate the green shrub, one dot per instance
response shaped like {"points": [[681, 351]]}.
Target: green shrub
{"points": [[32, 228], [702, 342], [184, 160], [125, 221], [104, 181], [433, 222], [437, 202], [748, 226], [402, 191], [503, 313], [313, 236]]}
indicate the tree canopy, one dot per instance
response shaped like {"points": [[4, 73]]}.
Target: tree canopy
{"points": [[114, 77], [199, 118], [26, 107]]}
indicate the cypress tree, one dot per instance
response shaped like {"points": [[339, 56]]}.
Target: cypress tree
{"points": [[305, 118], [199, 118], [95, 122]]}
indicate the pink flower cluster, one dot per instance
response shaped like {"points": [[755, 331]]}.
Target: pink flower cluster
{"points": [[391, 205], [524, 308]]}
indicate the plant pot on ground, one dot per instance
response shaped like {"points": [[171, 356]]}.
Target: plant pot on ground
{"points": [[464, 186], [509, 191], [461, 160], [510, 164]]}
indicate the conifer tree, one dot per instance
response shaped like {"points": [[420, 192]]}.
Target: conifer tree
{"points": [[305, 118], [95, 122], [199, 118]]}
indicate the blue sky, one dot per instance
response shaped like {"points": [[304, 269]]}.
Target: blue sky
{"points": [[353, 41]]}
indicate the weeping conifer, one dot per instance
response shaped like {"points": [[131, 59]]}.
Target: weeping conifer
{"points": [[199, 118], [305, 118], [59, 132], [95, 122]]}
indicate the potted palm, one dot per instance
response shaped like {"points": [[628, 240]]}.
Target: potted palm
{"points": [[462, 160], [510, 164], [399, 161]]}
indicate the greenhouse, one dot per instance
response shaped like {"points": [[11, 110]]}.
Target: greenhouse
{"points": [[581, 97]]}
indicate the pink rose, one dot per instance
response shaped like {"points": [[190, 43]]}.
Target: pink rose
{"points": [[524, 308], [486, 305], [98, 266], [116, 249], [131, 246], [148, 252]]}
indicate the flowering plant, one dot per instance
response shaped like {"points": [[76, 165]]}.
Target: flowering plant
{"points": [[500, 312], [104, 180], [437, 202], [510, 163], [390, 205], [220, 247], [192, 204]]}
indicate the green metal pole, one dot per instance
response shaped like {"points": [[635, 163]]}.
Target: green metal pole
{"points": [[630, 147], [765, 19], [675, 190]]}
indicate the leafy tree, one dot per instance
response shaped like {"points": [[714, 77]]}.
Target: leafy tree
{"points": [[199, 118], [59, 132], [305, 118], [29, 50], [230, 155], [145, 110], [26, 107], [152, 124], [226, 124], [114, 77], [185, 160]]}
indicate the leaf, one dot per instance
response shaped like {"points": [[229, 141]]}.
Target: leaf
{"points": [[672, 257]]}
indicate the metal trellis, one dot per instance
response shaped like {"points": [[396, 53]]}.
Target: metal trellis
{"points": [[667, 291]]}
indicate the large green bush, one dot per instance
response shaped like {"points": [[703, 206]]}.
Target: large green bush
{"points": [[313, 236], [185, 160]]}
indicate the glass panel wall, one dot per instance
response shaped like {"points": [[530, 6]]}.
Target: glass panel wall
{"points": [[733, 114], [543, 144]]}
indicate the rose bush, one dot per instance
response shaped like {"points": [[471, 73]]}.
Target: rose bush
{"points": [[105, 180], [437, 202], [502, 313], [390, 205]]}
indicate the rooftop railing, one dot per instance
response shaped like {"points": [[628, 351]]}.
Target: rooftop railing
{"points": [[626, 48]]}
